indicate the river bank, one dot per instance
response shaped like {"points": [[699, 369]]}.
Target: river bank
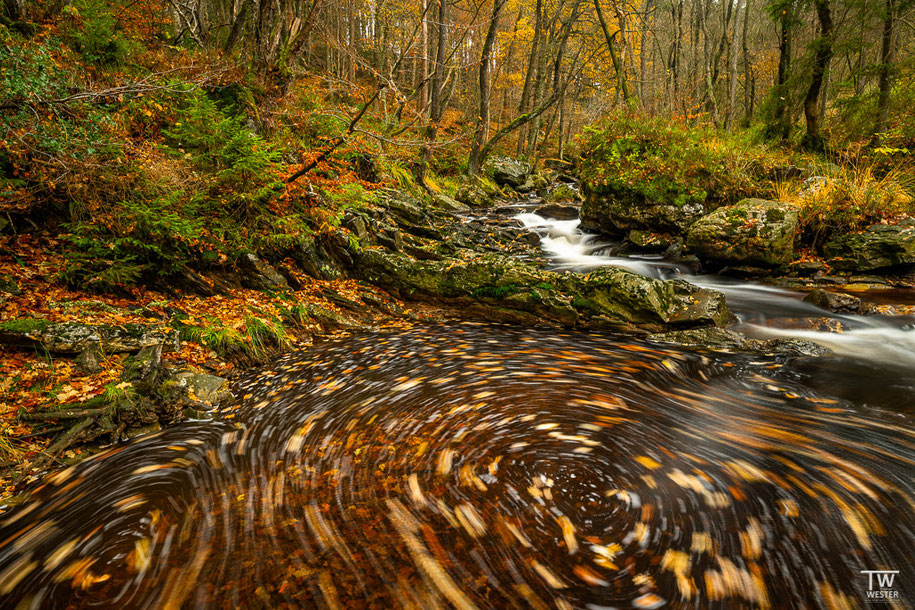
{"points": [[86, 370]]}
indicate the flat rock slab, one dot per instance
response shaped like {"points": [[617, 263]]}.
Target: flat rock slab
{"points": [[76, 337]]}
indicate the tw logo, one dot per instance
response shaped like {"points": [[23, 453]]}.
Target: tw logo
{"points": [[884, 578], [884, 591]]}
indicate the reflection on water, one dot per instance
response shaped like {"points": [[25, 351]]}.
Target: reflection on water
{"points": [[488, 466]]}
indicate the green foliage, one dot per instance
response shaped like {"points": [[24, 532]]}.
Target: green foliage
{"points": [[657, 161], [850, 200], [159, 237], [29, 71], [118, 393], [92, 29], [24, 325], [348, 196], [297, 314], [219, 143], [254, 339]]}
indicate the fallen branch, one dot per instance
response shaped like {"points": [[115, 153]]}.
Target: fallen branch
{"points": [[59, 415], [65, 440]]}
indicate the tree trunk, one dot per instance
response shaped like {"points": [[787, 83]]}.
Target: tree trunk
{"points": [[435, 94], [732, 85], [611, 45], [781, 126], [485, 88], [886, 71], [813, 139]]}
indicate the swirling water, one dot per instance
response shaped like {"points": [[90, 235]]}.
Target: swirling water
{"points": [[472, 465]]}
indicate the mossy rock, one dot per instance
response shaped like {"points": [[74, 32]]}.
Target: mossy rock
{"points": [[474, 196], [508, 172], [753, 232], [570, 300], [877, 247], [617, 212], [564, 193], [76, 337]]}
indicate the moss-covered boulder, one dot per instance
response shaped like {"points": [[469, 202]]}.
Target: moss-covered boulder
{"points": [[75, 337], [474, 196], [649, 302], [444, 202], [877, 247], [605, 297], [508, 172], [564, 193], [753, 232], [616, 211]]}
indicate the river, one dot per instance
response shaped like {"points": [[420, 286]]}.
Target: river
{"points": [[479, 465]]}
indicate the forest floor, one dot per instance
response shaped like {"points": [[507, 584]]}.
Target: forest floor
{"points": [[34, 381]]}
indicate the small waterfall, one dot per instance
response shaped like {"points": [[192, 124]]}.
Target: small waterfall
{"points": [[764, 312]]}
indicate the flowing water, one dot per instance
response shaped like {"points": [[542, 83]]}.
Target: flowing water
{"points": [[473, 465]]}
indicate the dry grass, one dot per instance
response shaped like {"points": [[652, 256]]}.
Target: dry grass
{"points": [[850, 199]]}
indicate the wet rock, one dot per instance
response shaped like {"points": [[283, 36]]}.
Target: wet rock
{"points": [[807, 268], [836, 301], [356, 223], [646, 301], [311, 257], [877, 247], [793, 347], [445, 202], [616, 213], [723, 339], [75, 337], [528, 186], [329, 319], [259, 275], [745, 271], [753, 232], [710, 338], [558, 211], [652, 242], [474, 196], [509, 172], [203, 388]]}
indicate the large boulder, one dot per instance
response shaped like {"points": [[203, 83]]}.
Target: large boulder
{"points": [[474, 196], [877, 247], [752, 232], [610, 295], [444, 202], [838, 302], [617, 213], [509, 172], [76, 337], [259, 275], [650, 302]]}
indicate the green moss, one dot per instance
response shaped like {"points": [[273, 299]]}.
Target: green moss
{"points": [[24, 325], [496, 292]]}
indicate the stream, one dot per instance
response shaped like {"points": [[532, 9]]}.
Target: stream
{"points": [[482, 465]]}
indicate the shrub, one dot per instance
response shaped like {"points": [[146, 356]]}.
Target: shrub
{"points": [[656, 161], [849, 200], [92, 29]]}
